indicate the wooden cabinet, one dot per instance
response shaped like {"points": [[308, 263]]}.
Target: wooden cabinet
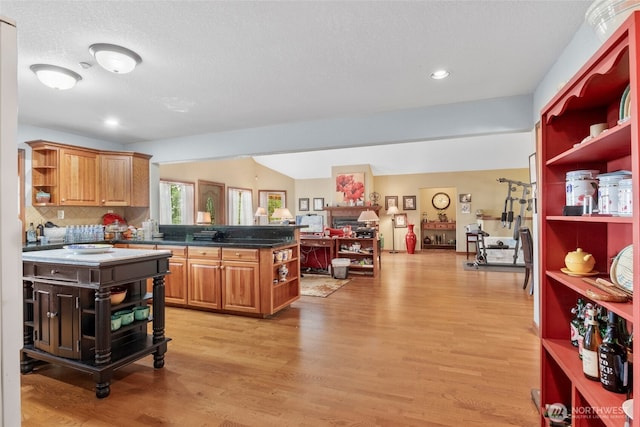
{"points": [[438, 235], [76, 176], [175, 283], [124, 179], [204, 277], [593, 95], [279, 291], [67, 311], [365, 259], [56, 319], [44, 173], [240, 280]]}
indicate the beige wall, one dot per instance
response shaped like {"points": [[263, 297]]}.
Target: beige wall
{"points": [[241, 173]]}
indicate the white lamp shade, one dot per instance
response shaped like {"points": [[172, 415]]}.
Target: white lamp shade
{"points": [[282, 213], [55, 77], [116, 59], [393, 210], [203, 218], [368, 216], [260, 211]]}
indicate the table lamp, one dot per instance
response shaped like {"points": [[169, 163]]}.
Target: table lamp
{"points": [[261, 217], [283, 214], [203, 218], [368, 216], [393, 210]]}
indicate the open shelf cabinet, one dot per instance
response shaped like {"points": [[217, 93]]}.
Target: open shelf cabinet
{"points": [[592, 96]]}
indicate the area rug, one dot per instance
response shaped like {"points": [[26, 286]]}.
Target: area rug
{"points": [[503, 268], [317, 285]]}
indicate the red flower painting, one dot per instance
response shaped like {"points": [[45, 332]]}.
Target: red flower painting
{"points": [[351, 186]]}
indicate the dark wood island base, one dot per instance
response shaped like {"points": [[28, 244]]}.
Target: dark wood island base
{"points": [[67, 310]]}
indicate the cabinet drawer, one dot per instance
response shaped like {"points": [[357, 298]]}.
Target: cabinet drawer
{"points": [[235, 254], [53, 272], [316, 242], [203, 252], [176, 251]]}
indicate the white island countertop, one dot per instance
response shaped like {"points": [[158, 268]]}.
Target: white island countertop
{"points": [[109, 256]]}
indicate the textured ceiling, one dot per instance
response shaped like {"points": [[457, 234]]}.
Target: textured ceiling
{"points": [[211, 66]]}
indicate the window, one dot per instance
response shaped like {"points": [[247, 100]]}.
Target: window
{"points": [[240, 206], [176, 202]]}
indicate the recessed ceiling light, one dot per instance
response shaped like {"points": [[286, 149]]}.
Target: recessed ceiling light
{"points": [[439, 74], [55, 77], [116, 59], [111, 122]]}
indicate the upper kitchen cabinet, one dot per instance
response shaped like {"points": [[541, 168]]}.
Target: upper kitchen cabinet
{"points": [[78, 177], [64, 175], [124, 179]]}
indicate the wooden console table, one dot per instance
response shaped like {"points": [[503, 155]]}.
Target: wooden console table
{"points": [[440, 235], [67, 310]]}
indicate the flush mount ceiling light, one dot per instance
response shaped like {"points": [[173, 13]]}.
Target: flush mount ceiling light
{"points": [[55, 77], [116, 59], [439, 74]]}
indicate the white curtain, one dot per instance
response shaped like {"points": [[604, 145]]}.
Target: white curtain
{"points": [[184, 204], [240, 207]]}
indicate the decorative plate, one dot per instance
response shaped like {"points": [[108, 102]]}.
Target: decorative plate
{"points": [[576, 274], [622, 269], [88, 248], [623, 99], [627, 407]]}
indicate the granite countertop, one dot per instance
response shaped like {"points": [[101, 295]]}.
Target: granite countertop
{"points": [[108, 256], [237, 243]]}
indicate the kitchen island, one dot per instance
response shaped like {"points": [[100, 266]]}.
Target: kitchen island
{"points": [[67, 309]]}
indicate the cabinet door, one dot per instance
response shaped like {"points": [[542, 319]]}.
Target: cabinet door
{"points": [[56, 320], [78, 178], [204, 283], [140, 181], [241, 286], [115, 180], [176, 283]]}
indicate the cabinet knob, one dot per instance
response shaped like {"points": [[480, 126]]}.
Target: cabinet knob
{"points": [[54, 272], [238, 254], [50, 314]]}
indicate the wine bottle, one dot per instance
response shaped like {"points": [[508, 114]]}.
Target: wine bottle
{"points": [[31, 234], [612, 356], [592, 341]]}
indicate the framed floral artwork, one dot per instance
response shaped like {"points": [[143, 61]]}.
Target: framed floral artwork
{"points": [[303, 204], [400, 220], [318, 203], [350, 188]]}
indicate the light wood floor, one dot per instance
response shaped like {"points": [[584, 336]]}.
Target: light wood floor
{"points": [[425, 344]]}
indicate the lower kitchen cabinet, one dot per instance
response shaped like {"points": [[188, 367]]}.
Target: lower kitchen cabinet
{"points": [[241, 280], [56, 320], [204, 280], [176, 281]]}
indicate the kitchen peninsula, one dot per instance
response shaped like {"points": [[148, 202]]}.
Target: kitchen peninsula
{"points": [[67, 310], [227, 269]]}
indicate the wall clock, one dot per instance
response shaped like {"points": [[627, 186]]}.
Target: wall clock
{"points": [[440, 200]]}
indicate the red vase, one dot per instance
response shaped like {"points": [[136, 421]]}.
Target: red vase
{"points": [[410, 239]]}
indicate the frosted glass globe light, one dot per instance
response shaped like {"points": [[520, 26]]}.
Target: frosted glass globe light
{"points": [[55, 77], [116, 59]]}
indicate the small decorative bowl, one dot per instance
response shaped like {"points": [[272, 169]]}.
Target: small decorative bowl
{"points": [[141, 312], [126, 316], [118, 295], [116, 322]]}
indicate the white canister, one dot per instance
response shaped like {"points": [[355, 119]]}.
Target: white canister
{"points": [[625, 197], [579, 185], [608, 192]]}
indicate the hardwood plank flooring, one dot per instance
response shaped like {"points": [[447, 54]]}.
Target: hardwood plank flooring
{"points": [[424, 344]]}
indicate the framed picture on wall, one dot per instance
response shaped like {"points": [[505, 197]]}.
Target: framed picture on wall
{"points": [[390, 201], [303, 204], [318, 203], [400, 220], [408, 203]]}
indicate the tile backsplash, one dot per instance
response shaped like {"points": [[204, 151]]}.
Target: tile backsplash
{"points": [[81, 215]]}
